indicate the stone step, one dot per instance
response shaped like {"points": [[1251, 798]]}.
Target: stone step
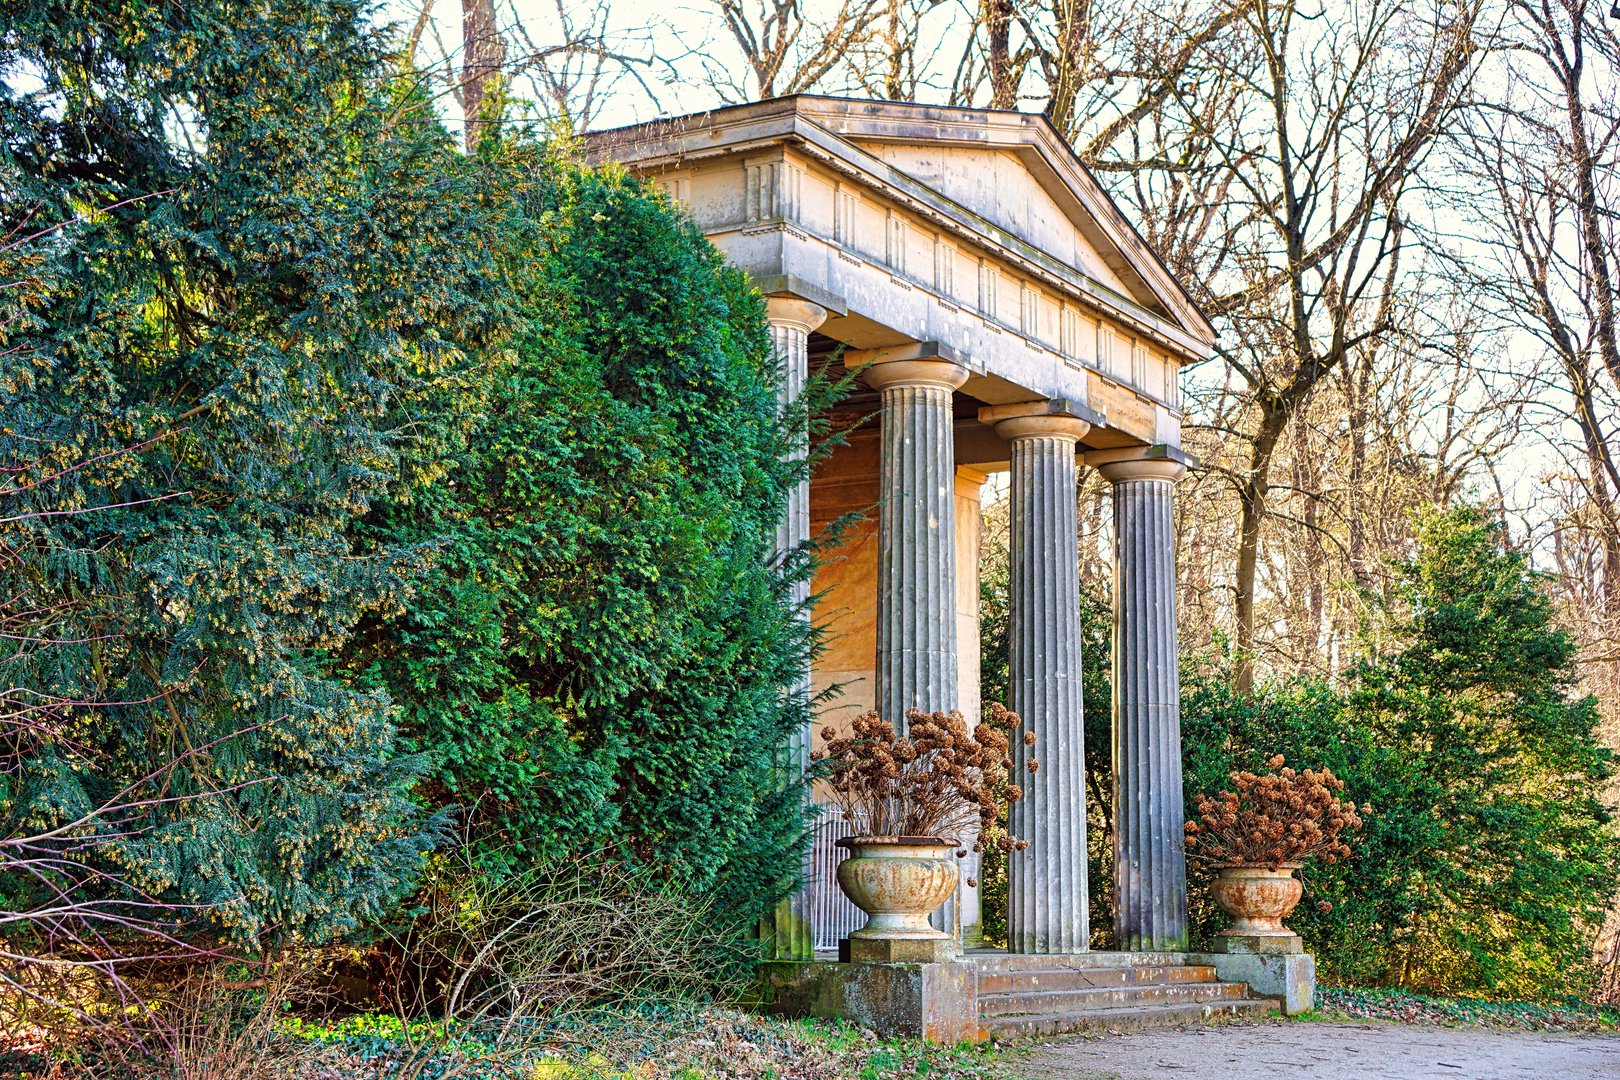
{"points": [[1026, 999], [1132, 1018], [996, 960], [994, 981]]}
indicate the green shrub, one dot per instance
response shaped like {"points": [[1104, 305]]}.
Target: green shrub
{"points": [[1489, 858], [598, 655]]}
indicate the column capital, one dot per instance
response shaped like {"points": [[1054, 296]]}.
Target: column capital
{"points": [[927, 363], [1127, 463], [1048, 417], [794, 311]]}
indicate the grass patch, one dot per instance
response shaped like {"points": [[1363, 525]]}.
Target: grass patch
{"points": [[678, 1043], [1314, 1016]]}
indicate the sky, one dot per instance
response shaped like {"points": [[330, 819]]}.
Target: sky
{"points": [[678, 57]]}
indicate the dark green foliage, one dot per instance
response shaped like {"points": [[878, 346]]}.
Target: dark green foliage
{"points": [[597, 657], [1489, 858], [369, 431], [1223, 731], [213, 374]]}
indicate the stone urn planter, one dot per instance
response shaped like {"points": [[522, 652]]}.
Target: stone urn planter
{"points": [[1258, 898], [898, 881]]}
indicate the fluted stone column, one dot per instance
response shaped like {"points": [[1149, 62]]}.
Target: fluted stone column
{"points": [[791, 320], [1047, 909], [1150, 870], [916, 617], [916, 622]]}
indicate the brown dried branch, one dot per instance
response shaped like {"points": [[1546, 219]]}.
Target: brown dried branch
{"points": [[1273, 819], [941, 780]]}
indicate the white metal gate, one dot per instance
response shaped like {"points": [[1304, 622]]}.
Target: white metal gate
{"points": [[834, 916]]}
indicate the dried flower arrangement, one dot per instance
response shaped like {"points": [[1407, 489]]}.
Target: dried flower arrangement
{"points": [[939, 781], [1274, 819]]}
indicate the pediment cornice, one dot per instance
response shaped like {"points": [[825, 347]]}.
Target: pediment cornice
{"points": [[846, 136]]}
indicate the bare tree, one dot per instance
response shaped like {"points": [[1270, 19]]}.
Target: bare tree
{"points": [[1547, 156], [784, 49], [1340, 117], [1545, 153], [483, 55], [562, 73], [897, 60], [1268, 151]]}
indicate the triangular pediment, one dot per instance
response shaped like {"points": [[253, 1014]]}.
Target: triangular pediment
{"points": [[998, 186], [1006, 177], [1014, 170]]}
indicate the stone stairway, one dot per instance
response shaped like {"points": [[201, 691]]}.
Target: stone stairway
{"points": [[1023, 997]]}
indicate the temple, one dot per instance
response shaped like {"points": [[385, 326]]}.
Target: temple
{"points": [[1004, 317]]}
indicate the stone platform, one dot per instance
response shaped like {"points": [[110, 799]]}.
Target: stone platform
{"points": [[983, 994]]}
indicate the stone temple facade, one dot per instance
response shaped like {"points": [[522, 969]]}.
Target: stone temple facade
{"points": [[1005, 317]]}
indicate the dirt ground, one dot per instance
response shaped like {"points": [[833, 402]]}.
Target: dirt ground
{"points": [[1342, 1051]]}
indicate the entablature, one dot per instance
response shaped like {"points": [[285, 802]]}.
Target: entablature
{"points": [[783, 195]]}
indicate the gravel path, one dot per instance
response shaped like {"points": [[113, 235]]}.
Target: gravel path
{"points": [[1342, 1051]]}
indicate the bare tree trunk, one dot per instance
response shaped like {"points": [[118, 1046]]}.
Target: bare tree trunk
{"points": [[1360, 393], [483, 54], [998, 21], [1252, 495], [1065, 61]]}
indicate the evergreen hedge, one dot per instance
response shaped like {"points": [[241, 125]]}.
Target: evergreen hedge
{"points": [[597, 658], [377, 484], [263, 265], [1491, 857]]}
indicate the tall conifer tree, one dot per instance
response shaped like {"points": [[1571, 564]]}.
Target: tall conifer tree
{"points": [[598, 660], [270, 253]]}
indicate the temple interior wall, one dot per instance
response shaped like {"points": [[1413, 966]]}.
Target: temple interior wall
{"points": [[847, 483]]}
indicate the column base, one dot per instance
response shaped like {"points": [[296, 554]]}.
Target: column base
{"points": [[786, 933]]}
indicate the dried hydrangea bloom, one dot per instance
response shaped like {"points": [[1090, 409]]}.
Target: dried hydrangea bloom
{"points": [[1274, 818], [940, 779]]}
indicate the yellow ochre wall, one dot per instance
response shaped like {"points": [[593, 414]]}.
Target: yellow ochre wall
{"points": [[847, 482]]}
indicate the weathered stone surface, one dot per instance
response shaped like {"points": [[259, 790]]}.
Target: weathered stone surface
{"points": [[1046, 886], [1257, 898], [937, 949], [1288, 979], [791, 934], [1261, 944], [886, 210], [935, 1002], [916, 610], [898, 885], [1120, 1021], [1024, 995], [1150, 869]]}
